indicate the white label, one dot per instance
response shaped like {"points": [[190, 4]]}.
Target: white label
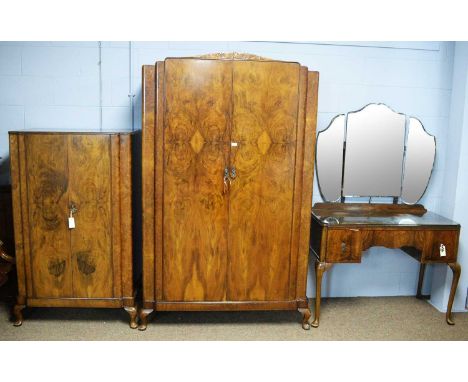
{"points": [[71, 223], [442, 251], [233, 144]]}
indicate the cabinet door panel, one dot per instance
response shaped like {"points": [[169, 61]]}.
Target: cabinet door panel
{"points": [[265, 107], [90, 191], [196, 136], [47, 182]]}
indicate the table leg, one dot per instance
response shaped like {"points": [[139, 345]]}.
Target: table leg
{"points": [[422, 270], [320, 269], [456, 269]]}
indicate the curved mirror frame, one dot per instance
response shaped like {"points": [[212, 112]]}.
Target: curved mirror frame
{"points": [[374, 152]]}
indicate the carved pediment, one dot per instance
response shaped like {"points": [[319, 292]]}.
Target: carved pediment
{"points": [[234, 56]]}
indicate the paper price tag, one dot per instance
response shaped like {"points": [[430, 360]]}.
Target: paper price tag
{"points": [[71, 222], [442, 251]]}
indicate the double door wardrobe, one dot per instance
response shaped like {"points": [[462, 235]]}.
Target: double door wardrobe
{"points": [[227, 171]]}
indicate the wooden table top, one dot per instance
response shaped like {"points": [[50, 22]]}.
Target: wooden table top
{"points": [[342, 214]]}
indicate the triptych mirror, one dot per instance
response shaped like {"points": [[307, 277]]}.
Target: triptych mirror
{"points": [[374, 152]]}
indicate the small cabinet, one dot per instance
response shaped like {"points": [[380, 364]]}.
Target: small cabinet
{"points": [[72, 217]]}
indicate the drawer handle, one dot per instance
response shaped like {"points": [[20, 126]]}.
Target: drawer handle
{"points": [[343, 247], [442, 250]]}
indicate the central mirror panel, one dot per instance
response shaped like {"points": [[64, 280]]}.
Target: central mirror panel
{"points": [[374, 152], [374, 169]]}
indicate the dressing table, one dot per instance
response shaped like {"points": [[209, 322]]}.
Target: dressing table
{"points": [[375, 153]]}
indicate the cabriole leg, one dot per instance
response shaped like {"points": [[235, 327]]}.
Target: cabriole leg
{"points": [[18, 313], [305, 318], [320, 269], [144, 313], [456, 269], [132, 311]]}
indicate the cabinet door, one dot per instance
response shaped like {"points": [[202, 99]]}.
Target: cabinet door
{"points": [[263, 153], [196, 143], [90, 191], [47, 188]]}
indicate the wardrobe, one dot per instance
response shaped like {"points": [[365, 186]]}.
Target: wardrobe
{"points": [[227, 170]]}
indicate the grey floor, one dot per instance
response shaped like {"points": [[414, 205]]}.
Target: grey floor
{"points": [[377, 318]]}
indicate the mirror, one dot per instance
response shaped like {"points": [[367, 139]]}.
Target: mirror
{"points": [[374, 152], [330, 158], [419, 161], [375, 140]]}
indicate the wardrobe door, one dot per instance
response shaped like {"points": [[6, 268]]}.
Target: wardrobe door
{"points": [[196, 143], [263, 153], [46, 169], [90, 192]]}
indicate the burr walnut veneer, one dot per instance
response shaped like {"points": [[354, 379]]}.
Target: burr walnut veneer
{"points": [[86, 176], [341, 232], [227, 161]]}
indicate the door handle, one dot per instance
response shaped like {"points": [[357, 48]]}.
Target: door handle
{"points": [[229, 176], [226, 181], [73, 209]]}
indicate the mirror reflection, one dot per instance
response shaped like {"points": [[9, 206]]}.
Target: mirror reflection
{"points": [[330, 158], [419, 160], [375, 139], [374, 152]]}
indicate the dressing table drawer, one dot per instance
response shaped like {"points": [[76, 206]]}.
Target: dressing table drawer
{"points": [[443, 248], [343, 246]]}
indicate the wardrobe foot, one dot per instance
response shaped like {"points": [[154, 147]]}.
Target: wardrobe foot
{"points": [[144, 313], [18, 313], [305, 318], [132, 311]]}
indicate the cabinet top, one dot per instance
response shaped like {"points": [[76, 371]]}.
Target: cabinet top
{"points": [[232, 56], [73, 131]]}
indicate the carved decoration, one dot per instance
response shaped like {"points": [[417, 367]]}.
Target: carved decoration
{"points": [[234, 56]]}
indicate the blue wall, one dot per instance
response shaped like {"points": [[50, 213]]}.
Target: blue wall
{"points": [[455, 181], [60, 85]]}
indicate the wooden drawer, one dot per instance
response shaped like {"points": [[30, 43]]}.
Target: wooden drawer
{"points": [[343, 246], [449, 239]]}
